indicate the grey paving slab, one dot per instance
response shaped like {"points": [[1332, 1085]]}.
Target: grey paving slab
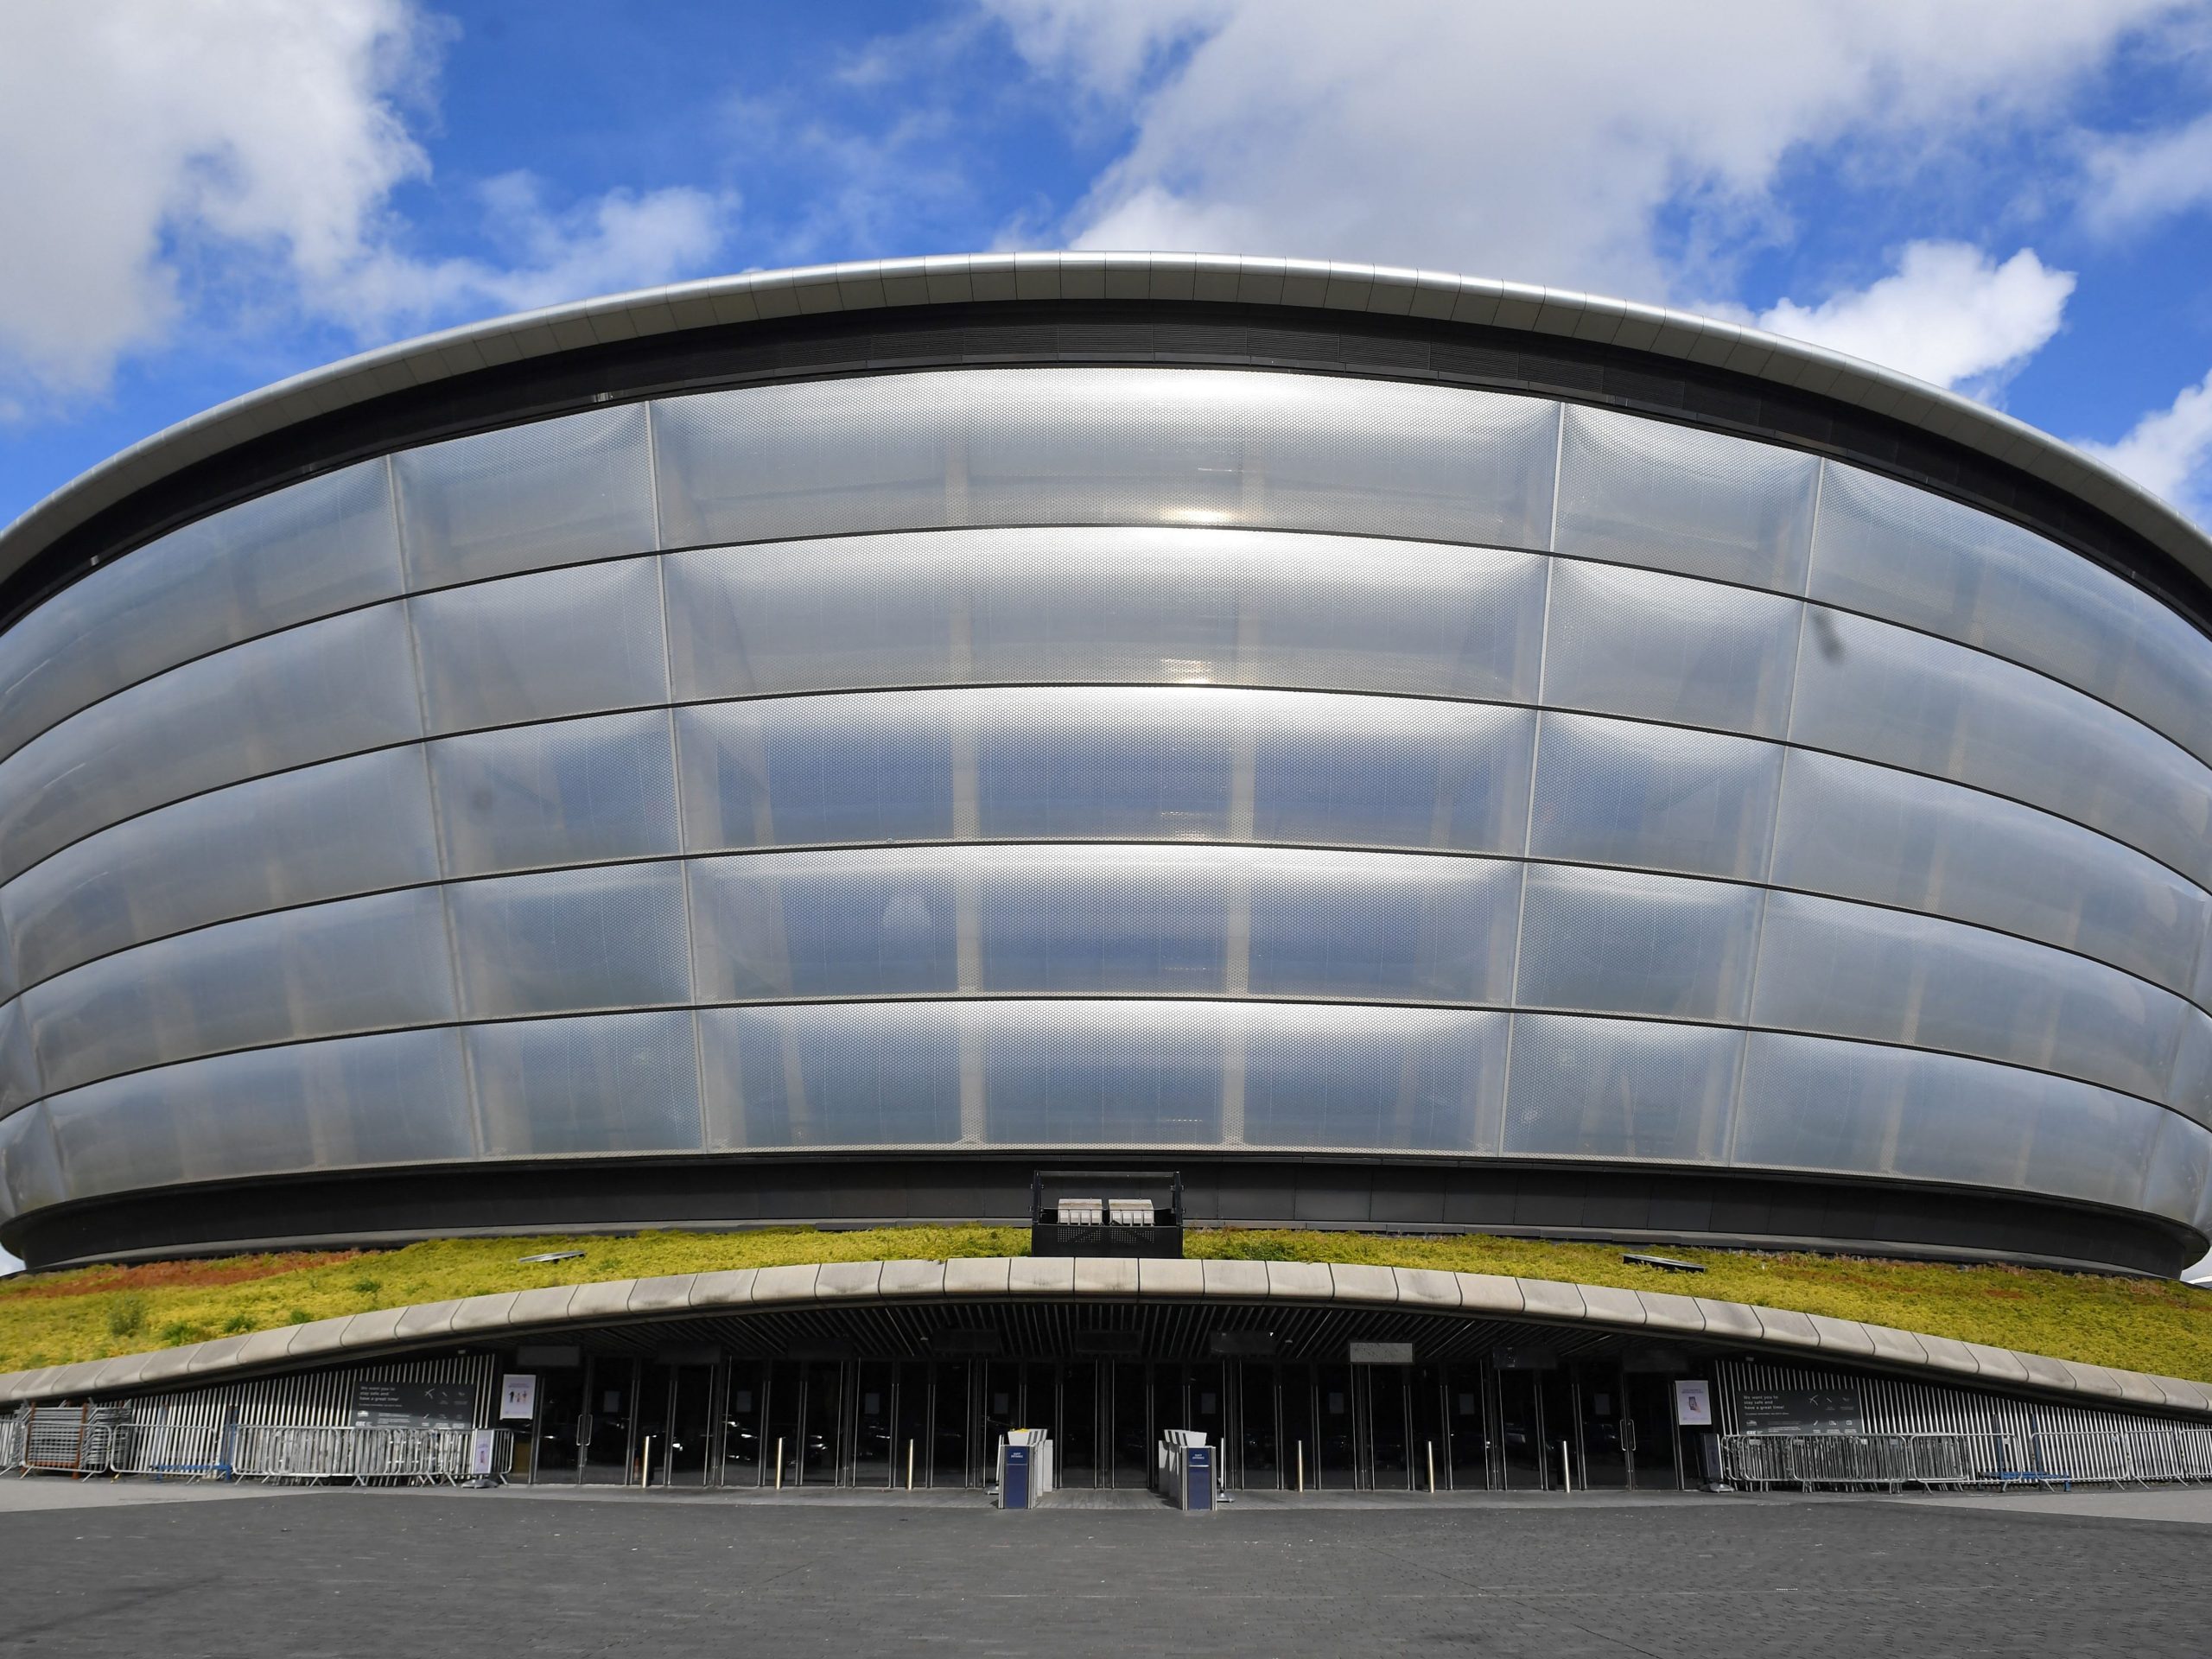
{"points": [[847, 1281], [662, 1294], [1101, 1276], [545, 1306], [911, 1278], [609, 1299], [730, 1287], [784, 1285], [1514, 1576], [978, 1276]]}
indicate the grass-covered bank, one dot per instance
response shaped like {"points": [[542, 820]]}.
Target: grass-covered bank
{"points": [[93, 1313]]}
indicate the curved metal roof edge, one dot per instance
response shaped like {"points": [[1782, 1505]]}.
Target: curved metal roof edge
{"points": [[1776, 1332], [1219, 278]]}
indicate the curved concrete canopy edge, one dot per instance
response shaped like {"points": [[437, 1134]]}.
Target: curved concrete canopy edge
{"points": [[1774, 1333], [1200, 278]]}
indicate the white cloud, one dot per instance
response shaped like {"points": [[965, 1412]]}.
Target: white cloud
{"points": [[619, 240], [9, 1264], [1947, 315], [2168, 452], [160, 160], [1543, 142], [2131, 182]]}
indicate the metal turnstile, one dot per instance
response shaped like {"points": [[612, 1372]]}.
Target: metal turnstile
{"points": [[1025, 1468], [1186, 1469]]}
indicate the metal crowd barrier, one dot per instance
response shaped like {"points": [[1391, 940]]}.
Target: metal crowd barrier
{"points": [[174, 1451], [81, 1440], [63, 1439], [409, 1456], [2141, 1457]]}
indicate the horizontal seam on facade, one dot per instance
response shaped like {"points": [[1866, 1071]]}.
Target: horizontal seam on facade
{"points": [[1381, 851], [1579, 397], [1155, 998], [1161, 687], [604, 561]]}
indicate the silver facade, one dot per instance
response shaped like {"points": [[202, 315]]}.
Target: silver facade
{"points": [[1120, 758]]}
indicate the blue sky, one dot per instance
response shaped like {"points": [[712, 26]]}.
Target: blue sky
{"points": [[2013, 197]]}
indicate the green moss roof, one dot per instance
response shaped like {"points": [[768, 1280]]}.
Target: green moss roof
{"points": [[2143, 1325]]}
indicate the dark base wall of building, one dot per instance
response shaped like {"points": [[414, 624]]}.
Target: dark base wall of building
{"points": [[1643, 1205]]}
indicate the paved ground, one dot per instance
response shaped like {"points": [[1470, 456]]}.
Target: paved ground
{"points": [[408, 1574]]}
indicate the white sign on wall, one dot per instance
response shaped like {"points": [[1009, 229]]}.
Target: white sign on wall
{"points": [[1693, 1405], [517, 1398]]}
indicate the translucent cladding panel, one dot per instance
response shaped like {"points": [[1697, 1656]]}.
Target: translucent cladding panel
{"points": [[1121, 604], [2188, 1086], [570, 791], [356, 964], [1611, 792], [1118, 762], [19, 1077], [327, 688], [1895, 977], [319, 832], [1880, 693], [615, 1083], [1661, 647], [607, 937], [1419, 929], [30, 1169], [1863, 831], [2179, 1182], [812, 769], [1902, 553], [1646, 493], [1105, 446], [1388, 1079], [398, 1097], [1095, 919], [1613, 942], [563, 642], [1390, 772], [1618, 1088], [526, 497], [1810, 1103], [859, 1074], [1072, 1073], [314, 549], [808, 925], [1172, 764]]}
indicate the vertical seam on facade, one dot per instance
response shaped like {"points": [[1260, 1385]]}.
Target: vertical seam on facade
{"points": [[1559, 462], [1528, 835], [676, 776], [439, 852]]}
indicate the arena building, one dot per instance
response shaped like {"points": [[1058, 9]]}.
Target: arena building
{"points": [[1404, 752], [1395, 752]]}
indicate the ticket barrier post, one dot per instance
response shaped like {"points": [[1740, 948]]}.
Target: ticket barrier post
{"points": [[1186, 1469], [1025, 1468]]}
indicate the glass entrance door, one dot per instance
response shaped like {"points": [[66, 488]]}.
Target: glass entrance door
{"points": [[606, 1430], [1648, 1430], [1521, 1430], [1466, 1426], [1078, 1443], [744, 1404], [1601, 1412], [554, 1454], [673, 1420]]}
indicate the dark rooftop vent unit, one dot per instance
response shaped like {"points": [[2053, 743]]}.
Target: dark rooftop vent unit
{"points": [[1106, 1212]]}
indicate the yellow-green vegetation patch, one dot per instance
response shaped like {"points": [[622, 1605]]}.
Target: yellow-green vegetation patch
{"points": [[2143, 1325], [94, 1313], [97, 1312]]}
